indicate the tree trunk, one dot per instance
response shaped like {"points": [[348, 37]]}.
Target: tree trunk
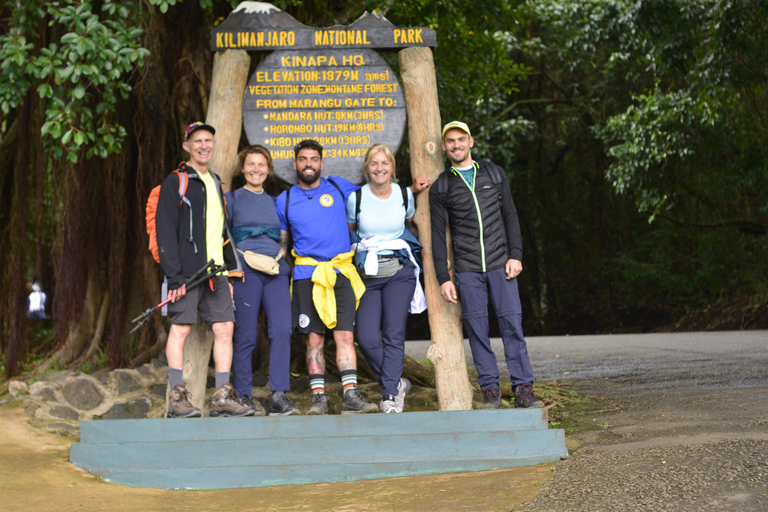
{"points": [[417, 67], [80, 331], [95, 345], [225, 110]]}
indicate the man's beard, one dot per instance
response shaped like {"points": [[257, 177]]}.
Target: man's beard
{"points": [[305, 179]]}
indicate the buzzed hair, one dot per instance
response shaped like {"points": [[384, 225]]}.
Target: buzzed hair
{"points": [[308, 144]]}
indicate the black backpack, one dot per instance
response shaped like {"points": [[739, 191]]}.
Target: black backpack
{"points": [[493, 169]]}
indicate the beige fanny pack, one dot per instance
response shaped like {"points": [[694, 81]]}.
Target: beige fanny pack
{"points": [[262, 263]]}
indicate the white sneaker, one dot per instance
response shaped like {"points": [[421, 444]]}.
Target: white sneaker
{"points": [[388, 404], [402, 389]]}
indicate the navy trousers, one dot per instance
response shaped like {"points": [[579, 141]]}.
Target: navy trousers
{"points": [[380, 324], [473, 288], [250, 294]]}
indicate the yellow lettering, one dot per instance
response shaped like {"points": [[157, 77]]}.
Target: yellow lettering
{"points": [[219, 43], [260, 39], [277, 104]]}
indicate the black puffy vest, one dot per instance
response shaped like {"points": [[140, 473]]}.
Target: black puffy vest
{"points": [[479, 242]]}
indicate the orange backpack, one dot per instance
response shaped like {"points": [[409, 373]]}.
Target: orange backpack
{"points": [[152, 210]]}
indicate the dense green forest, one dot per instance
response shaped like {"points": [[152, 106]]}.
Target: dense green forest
{"points": [[634, 133]]}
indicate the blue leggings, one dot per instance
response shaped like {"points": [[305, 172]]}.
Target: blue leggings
{"points": [[273, 293], [380, 324]]}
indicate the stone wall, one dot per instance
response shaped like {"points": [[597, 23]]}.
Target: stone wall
{"points": [[59, 401]]}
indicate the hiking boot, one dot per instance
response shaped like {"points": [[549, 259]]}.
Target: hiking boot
{"points": [[319, 405], [491, 398], [226, 402], [252, 404], [282, 406], [179, 405], [403, 388], [524, 398], [353, 403], [388, 404]]}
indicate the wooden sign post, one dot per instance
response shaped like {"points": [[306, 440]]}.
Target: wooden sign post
{"points": [[446, 353]]}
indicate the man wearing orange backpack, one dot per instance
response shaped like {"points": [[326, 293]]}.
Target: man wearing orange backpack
{"points": [[191, 230]]}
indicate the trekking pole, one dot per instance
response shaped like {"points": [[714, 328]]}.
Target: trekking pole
{"points": [[197, 278]]}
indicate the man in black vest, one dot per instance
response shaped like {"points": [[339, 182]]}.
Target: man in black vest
{"points": [[475, 200]]}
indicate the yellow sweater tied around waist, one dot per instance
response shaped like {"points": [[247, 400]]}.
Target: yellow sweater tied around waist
{"points": [[324, 277]]}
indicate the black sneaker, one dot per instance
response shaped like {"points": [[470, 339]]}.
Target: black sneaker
{"points": [[491, 398], [353, 403], [252, 404], [524, 398], [282, 406], [319, 405]]}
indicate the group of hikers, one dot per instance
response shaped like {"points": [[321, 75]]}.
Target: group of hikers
{"points": [[356, 271]]}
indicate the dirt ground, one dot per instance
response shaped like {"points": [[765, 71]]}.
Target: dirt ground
{"points": [[35, 476]]}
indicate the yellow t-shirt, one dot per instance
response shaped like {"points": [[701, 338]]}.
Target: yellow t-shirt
{"points": [[214, 220]]}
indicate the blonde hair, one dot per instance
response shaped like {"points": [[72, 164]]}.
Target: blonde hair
{"points": [[378, 148]]}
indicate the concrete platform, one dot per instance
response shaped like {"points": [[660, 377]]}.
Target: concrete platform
{"points": [[217, 453]]}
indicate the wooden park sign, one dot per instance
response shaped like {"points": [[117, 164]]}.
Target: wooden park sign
{"points": [[329, 84], [326, 84]]}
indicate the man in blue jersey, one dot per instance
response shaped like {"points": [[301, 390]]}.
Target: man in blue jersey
{"points": [[474, 199], [326, 286]]}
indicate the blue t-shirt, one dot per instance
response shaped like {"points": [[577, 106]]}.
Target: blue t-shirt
{"points": [[381, 217], [246, 208], [317, 220]]}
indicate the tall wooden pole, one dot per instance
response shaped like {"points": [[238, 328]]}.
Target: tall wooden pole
{"points": [[417, 68], [225, 110]]}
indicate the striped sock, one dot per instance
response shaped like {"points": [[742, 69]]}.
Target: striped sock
{"points": [[317, 383], [349, 379]]}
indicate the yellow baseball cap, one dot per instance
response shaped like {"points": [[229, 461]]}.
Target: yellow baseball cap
{"points": [[456, 124]]}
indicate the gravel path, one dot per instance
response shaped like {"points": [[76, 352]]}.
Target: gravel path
{"points": [[682, 423]]}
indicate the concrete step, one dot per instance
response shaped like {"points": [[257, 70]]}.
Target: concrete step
{"points": [[214, 453]]}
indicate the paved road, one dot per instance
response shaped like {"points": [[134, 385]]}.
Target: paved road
{"points": [[681, 421]]}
